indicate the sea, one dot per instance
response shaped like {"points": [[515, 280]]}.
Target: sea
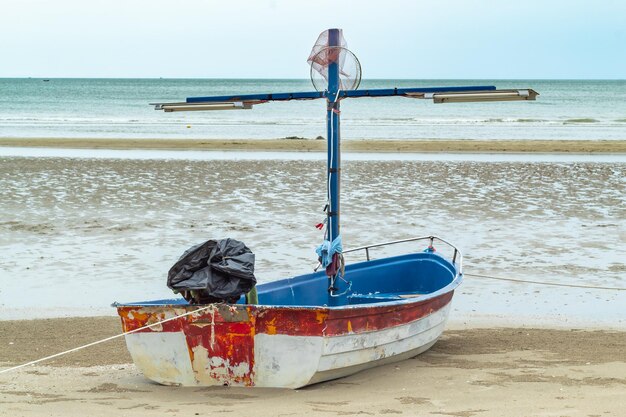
{"points": [[119, 108], [80, 229]]}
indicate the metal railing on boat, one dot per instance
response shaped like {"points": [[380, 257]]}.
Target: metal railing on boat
{"points": [[431, 239]]}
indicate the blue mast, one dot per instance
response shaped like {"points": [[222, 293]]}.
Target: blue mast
{"points": [[332, 121], [334, 157]]}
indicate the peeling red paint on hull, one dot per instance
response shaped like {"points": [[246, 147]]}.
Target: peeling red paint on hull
{"points": [[277, 346]]}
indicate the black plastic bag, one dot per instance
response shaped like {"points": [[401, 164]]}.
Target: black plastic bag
{"points": [[213, 271]]}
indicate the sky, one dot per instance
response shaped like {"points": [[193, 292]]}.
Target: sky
{"points": [[419, 39]]}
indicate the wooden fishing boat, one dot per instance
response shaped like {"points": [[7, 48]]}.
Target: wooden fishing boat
{"points": [[397, 308], [323, 325]]}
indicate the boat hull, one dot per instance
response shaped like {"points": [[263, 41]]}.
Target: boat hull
{"points": [[278, 346]]}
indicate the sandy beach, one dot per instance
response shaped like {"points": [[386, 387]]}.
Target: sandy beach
{"points": [[311, 145], [472, 372]]}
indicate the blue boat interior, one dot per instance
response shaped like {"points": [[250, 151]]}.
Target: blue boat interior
{"points": [[376, 281]]}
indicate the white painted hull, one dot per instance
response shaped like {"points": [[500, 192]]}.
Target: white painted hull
{"points": [[281, 360]]}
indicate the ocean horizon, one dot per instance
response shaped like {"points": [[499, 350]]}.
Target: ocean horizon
{"points": [[119, 108]]}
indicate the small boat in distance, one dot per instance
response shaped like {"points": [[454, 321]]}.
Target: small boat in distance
{"points": [[323, 325]]}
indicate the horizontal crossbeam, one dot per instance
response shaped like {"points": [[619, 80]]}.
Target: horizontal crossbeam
{"points": [[312, 95], [437, 94]]}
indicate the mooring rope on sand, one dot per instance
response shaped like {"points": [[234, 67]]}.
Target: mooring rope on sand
{"points": [[556, 284], [104, 340], [56, 355]]}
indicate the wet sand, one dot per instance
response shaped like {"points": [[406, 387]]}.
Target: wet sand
{"points": [[473, 372], [311, 145], [82, 233]]}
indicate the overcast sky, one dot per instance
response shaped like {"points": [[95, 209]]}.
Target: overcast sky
{"points": [[420, 39]]}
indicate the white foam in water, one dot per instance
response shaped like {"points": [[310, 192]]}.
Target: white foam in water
{"points": [[304, 156]]}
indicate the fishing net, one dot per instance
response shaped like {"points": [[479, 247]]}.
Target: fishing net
{"points": [[322, 55]]}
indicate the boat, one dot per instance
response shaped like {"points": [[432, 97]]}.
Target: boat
{"points": [[342, 319]]}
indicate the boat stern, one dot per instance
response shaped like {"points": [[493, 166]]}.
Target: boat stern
{"points": [[214, 346]]}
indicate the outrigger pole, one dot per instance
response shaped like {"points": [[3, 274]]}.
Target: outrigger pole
{"points": [[333, 94]]}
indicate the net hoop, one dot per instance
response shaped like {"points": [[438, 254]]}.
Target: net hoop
{"points": [[345, 58]]}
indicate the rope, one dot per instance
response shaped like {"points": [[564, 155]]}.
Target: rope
{"points": [[56, 355], [103, 340], [546, 283]]}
